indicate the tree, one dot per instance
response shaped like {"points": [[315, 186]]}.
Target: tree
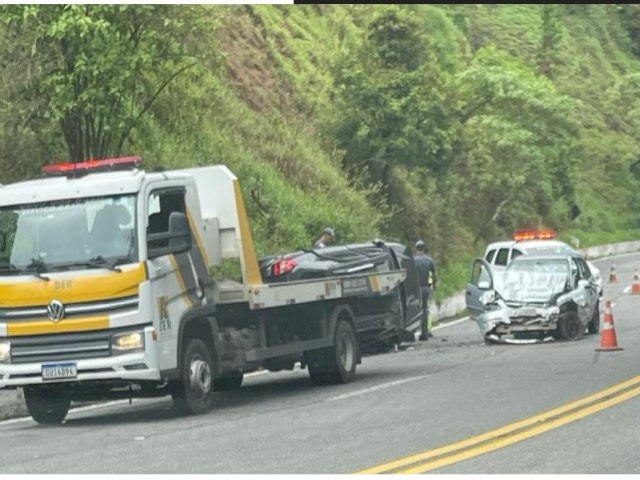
{"points": [[95, 70], [551, 37], [520, 144], [393, 101]]}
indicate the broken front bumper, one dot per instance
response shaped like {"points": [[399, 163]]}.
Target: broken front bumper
{"points": [[505, 321]]}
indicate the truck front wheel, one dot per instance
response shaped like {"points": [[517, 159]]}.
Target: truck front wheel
{"points": [[336, 364], [193, 393], [46, 405]]}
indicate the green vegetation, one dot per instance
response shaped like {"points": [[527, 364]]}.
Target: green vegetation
{"points": [[456, 124]]}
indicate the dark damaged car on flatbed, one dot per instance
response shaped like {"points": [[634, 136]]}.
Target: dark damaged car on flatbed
{"points": [[376, 330], [539, 298]]}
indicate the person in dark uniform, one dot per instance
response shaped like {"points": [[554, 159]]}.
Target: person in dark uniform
{"points": [[428, 278], [325, 239]]}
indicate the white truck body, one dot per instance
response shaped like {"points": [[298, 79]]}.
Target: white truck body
{"points": [[75, 317]]}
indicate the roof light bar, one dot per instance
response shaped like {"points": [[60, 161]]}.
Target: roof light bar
{"points": [[544, 234], [89, 166]]}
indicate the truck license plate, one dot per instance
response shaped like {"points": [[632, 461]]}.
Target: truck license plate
{"points": [[59, 370]]}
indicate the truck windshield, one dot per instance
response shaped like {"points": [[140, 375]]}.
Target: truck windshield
{"points": [[74, 233]]}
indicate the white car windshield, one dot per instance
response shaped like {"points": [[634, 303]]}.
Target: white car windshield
{"points": [[67, 234], [534, 281], [549, 249]]}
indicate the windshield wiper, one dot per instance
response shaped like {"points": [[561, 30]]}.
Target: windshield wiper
{"points": [[11, 268], [36, 268], [96, 262]]}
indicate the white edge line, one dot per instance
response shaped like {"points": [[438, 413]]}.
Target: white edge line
{"points": [[375, 388], [450, 324], [73, 410]]}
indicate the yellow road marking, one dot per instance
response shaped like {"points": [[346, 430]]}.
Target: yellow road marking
{"points": [[512, 433]]}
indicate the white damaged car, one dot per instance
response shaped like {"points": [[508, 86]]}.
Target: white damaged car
{"points": [[539, 298]]}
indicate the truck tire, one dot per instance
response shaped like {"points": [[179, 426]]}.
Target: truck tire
{"points": [[569, 327], [337, 364], [231, 381], [594, 324], [193, 393], [46, 405]]}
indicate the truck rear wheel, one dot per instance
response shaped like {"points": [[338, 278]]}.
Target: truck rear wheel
{"points": [[193, 393], [336, 364], [46, 405], [232, 381]]}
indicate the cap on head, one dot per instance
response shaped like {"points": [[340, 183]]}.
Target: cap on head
{"points": [[421, 245], [329, 231]]}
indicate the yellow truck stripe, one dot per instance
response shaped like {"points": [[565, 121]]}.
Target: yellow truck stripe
{"points": [[181, 282], [249, 252], [196, 234], [72, 288], [40, 327]]}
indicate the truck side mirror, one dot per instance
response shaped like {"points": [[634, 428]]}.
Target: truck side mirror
{"points": [[179, 237], [180, 232]]}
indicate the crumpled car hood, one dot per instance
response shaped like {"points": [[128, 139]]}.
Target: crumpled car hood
{"points": [[531, 287]]}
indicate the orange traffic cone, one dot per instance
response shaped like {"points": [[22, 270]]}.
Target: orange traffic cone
{"points": [[608, 340], [613, 276], [635, 286]]}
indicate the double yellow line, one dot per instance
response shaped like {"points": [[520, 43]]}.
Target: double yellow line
{"points": [[512, 433]]}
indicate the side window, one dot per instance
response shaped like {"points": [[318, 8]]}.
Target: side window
{"points": [[161, 204], [479, 275], [502, 257], [585, 271], [515, 253], [575, 273], [490, 255]]}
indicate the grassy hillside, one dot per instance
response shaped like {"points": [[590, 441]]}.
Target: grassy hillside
{"points": [[452, 123]]}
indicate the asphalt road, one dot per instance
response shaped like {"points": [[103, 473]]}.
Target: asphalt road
{"points": [[431, 395]]}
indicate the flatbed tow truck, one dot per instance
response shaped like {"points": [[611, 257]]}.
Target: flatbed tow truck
{"points": [[110, 287]]}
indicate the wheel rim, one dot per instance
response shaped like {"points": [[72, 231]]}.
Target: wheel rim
{"points": [[347, 352], [199, 376]]}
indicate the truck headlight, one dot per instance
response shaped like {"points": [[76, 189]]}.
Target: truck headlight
{"points": [[127, 342], [5, 351]]}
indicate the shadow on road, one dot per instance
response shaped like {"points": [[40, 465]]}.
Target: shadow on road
{"points": [[275, 392]]}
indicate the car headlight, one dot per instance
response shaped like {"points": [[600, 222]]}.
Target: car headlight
{"points": [[127, 342], [488, 297], [5, 351]]}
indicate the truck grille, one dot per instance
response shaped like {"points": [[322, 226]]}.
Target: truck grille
{"points": [[71, 309], [64, 346]]}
